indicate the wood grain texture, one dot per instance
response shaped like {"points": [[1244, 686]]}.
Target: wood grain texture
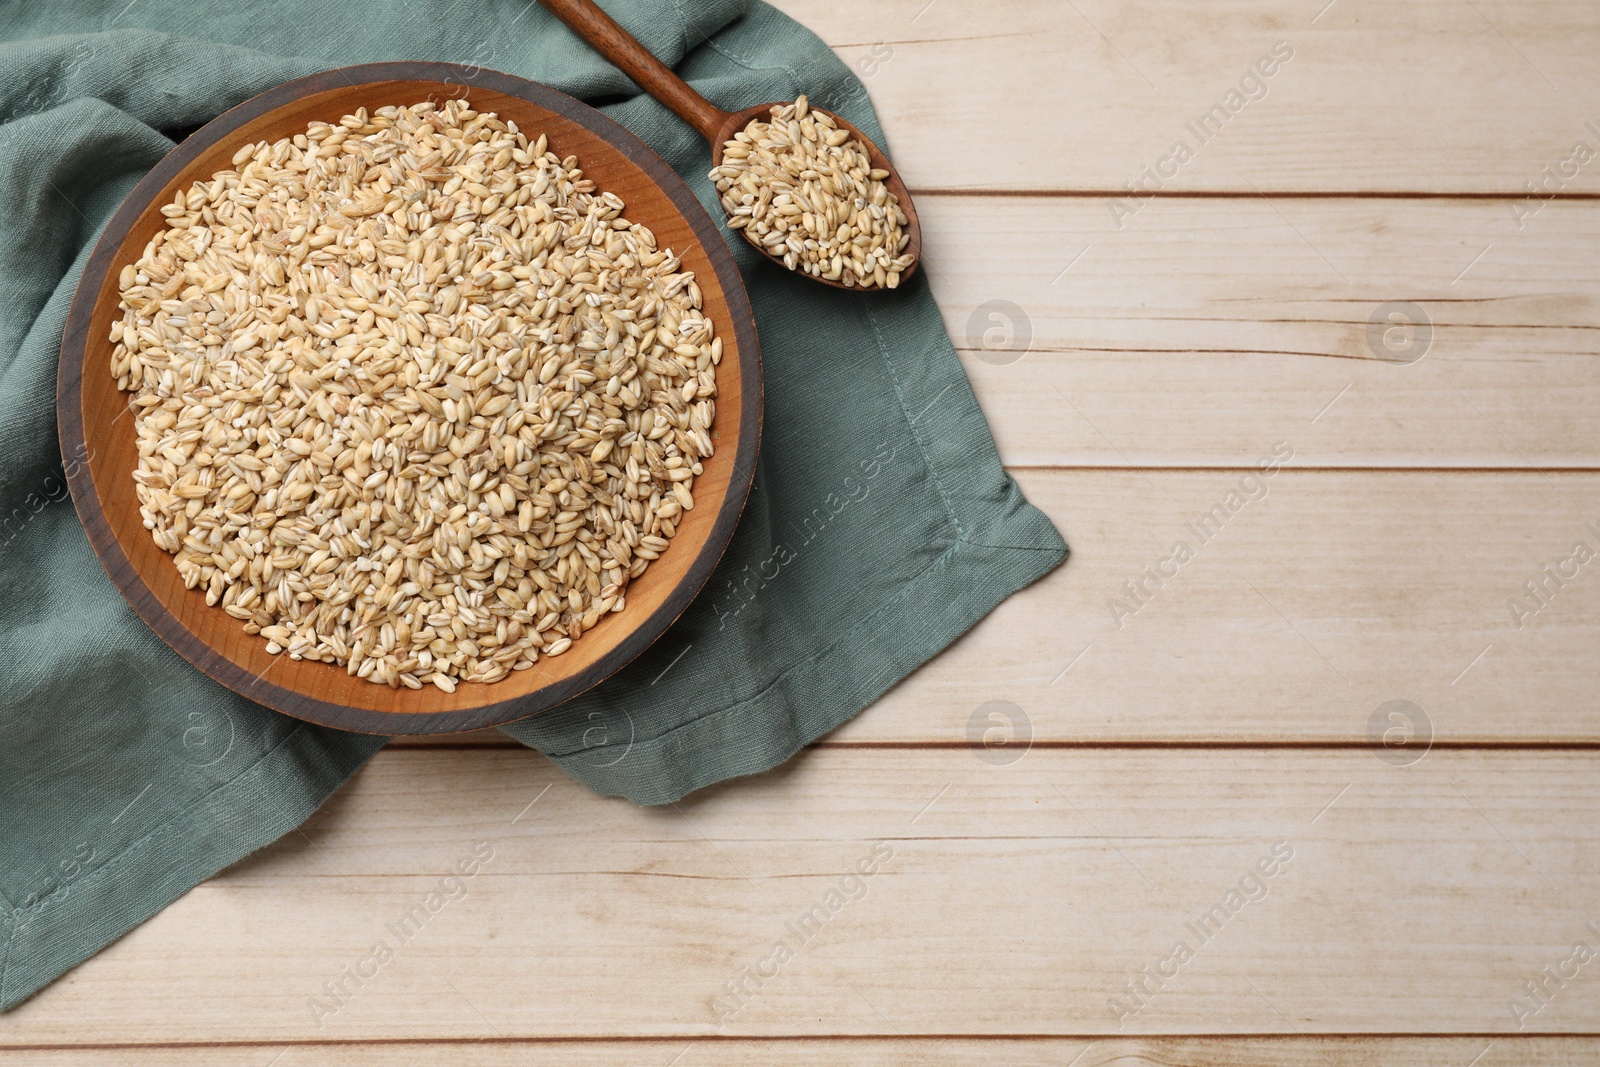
{"points": [[1313, 605], [1032, 879], [1305, 610], [1430, 96], [600, 31], [1206, 330], [1005, 900], [1286, 1051], [90, 409]]}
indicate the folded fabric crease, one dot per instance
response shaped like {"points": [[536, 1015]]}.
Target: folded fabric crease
{"points": [[881, 527]]}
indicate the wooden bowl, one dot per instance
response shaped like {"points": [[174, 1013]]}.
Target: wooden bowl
{"points": [[98, 445]]}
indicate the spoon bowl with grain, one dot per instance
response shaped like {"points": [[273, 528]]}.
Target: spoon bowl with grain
{"points": [[808, 190]]}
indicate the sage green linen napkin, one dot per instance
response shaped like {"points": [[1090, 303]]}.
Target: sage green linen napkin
{"points": [[880, 528]]}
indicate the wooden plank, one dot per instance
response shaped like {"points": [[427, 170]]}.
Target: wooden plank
{"points": [[1306, 610], [1316, 603], [1430, 95], [1004, 900], [1205, 331], [1291, 1051], [1027, 885]]}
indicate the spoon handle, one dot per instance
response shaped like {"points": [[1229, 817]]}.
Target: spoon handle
{"points": [[587, 20]]}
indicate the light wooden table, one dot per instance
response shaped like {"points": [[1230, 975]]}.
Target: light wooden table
{"points": [[1177, 736]]}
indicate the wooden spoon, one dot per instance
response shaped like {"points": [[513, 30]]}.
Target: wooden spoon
{"points": [[587, 20]]}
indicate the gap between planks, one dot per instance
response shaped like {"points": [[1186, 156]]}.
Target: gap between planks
{"points": [[421, 744], [1125, 1051], [1239, 194], [1328, 468], [704, 1039]]}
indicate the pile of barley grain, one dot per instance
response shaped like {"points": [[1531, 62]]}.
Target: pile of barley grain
{"points": [[804, 189], [411, 395]]}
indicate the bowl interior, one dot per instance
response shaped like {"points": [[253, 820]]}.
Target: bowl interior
{"points": [[95, 423]]}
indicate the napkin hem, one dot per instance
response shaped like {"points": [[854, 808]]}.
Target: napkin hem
{"points": [[274, 795], [985, 516], [876, 662]]}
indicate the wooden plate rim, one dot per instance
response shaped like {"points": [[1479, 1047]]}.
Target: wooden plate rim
{"points": [[72, 437]]}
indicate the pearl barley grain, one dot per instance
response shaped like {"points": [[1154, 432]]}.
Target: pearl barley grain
{"points": [[806, 191], [411, 395]]}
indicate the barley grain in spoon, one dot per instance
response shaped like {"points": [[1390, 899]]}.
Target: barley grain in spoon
{"points": [[719, 127]]}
